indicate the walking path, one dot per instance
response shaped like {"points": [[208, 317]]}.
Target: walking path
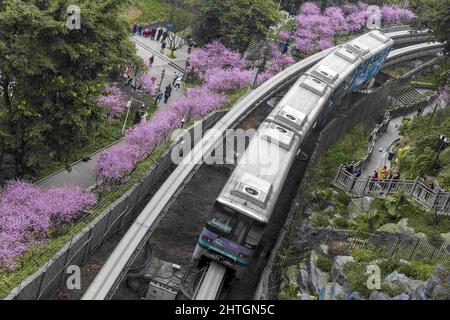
{"points": [[379, 157], [82, 173]]}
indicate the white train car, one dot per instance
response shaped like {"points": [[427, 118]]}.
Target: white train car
{"points": [[244, 208]]}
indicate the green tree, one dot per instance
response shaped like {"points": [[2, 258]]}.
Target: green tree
{"points": [[433, 15], [179, 15], [234, 22], [50, 76]]}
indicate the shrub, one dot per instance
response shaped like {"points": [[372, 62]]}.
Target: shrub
{"points": [[324, 263], [289, 292], [417, 270], [341, 222], [357, 277], [361, 255], [343, 197], [389, 265], [320, 220]]}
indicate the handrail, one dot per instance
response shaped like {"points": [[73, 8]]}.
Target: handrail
{"points": [[430, 199]]}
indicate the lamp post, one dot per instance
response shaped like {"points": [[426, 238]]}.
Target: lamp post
{"points": [[126, 117], [163, 74], [128, 112], [443, 143], [183, 121]]}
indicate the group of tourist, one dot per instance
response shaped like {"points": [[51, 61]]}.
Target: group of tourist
{"points": [[385, 174], [176, 84], [158, 34]]}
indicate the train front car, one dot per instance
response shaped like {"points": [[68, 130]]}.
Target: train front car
{"points": [[233, 235], [228, 238]]}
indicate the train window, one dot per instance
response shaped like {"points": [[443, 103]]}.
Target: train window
{"points": [[222, 221], [253, 237], [239, 231]]}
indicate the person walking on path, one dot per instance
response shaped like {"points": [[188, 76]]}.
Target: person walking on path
{"points": [[178, 82], [153, 34], [382, 174], [167, 93], [286, 48], [135, 28], [158, 95], [190, 45], [175, 77], [160, 32], [163, 47], [138, 116], [164, 36], [150, 61]]}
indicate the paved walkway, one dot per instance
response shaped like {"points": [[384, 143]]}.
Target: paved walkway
{"points": [[380, 154], [147, 48], [83, 173]]}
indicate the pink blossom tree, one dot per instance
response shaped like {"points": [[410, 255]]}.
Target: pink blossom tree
{"points": [[214, 55], [27, 213], [147, 83], [114, 100], [224, 80]]}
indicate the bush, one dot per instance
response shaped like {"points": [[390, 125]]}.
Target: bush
{"points": [[320, 221], [393, 290], [417, 270], [389, 265], [361, 255], [341, 222], [324, 263], [357, 277], [342, 197]]}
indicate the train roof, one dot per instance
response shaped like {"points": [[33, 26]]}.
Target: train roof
{"points": [[261, 171], [253, 187]]}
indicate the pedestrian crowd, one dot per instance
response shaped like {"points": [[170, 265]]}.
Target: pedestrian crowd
{"points": [[158, 34], [161, 35]]}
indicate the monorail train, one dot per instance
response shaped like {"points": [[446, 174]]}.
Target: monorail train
{"points": [[240, 214]]}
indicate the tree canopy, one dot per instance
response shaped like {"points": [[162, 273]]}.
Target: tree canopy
{"points": [[433, 15], [234, 22], [51, 76]]}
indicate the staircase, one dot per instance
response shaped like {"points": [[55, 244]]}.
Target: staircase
{"points": [[409, 96]]}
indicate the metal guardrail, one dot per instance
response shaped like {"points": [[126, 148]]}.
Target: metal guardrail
{"points": [[400, 246], [416, 189]]}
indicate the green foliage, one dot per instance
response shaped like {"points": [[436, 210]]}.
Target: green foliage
{"points": [[320, 221], [417, 270], [417, 153], [324, 263], [351, 148], [235, 22], [342, 197], [340, 223], [289, 292], [361, 255], [145, 10], [357, 277], [435, 16], [389, 265], [393, 290], [52, 76]]}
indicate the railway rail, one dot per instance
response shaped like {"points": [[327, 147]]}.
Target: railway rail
{"points": [[125, 253]]}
